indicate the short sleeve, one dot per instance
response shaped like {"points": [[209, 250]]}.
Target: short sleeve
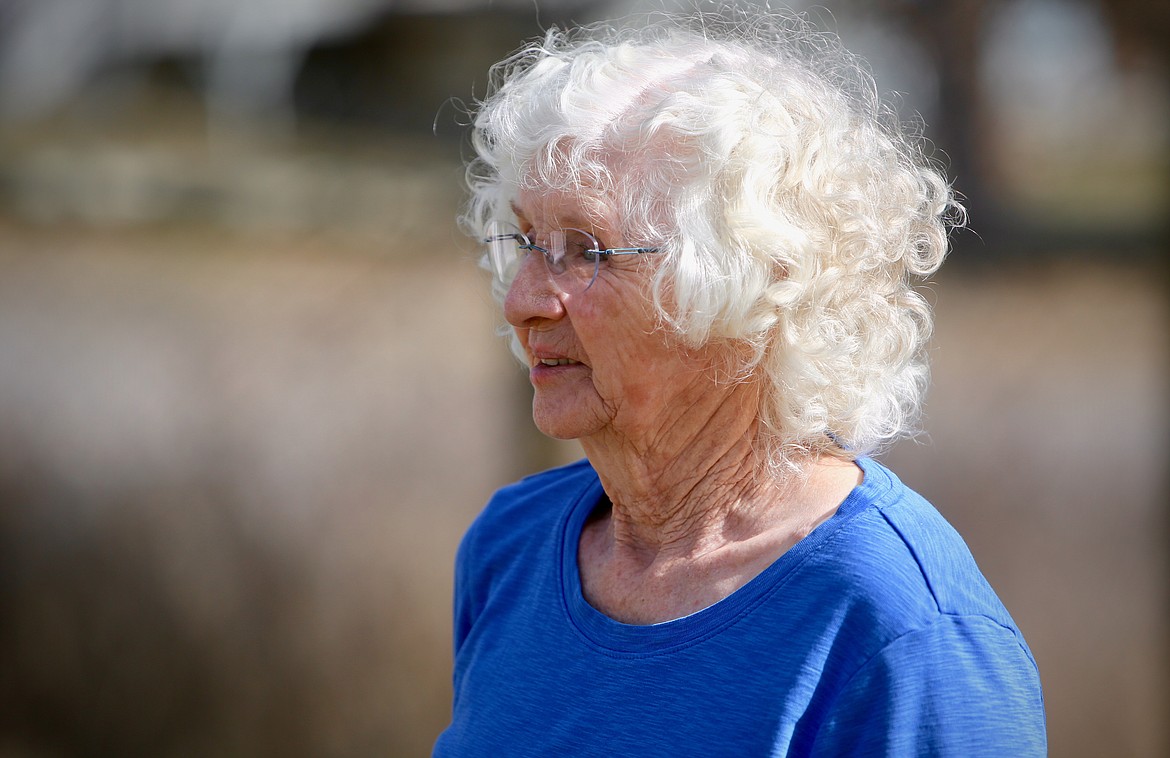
{"points": [[962, 686]]}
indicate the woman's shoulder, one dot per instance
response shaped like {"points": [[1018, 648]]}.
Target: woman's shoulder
{"points": [[578, 472], [529, 508], [537, 495], [514, 535], [900, 556]]}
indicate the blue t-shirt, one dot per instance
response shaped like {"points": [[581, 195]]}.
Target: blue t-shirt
{"points": [[875, 635]]}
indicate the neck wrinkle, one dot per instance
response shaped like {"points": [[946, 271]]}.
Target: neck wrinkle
{"points": [[685, 494]]}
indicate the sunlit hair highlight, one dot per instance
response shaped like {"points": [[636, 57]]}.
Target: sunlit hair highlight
{"points": [[792, 209]]}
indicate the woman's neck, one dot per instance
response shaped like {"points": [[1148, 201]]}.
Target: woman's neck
{"points": [[696, 482], [682, 502], [684, 533]]}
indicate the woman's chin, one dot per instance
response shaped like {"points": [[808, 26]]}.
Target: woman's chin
{"points": [[558, 428], [563, 421]]}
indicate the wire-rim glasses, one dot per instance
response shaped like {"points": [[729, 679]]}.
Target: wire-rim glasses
{"points": [[573, 256]]}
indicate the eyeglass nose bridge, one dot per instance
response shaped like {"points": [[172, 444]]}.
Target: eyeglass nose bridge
{"points": [[554, 262], [554, 255]]}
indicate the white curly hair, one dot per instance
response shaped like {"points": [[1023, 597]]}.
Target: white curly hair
{"points": [[792, 210]]}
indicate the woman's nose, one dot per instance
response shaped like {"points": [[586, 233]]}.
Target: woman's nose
{"points": [[533, 295]]}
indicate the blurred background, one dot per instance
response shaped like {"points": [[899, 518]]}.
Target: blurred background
{"points": [[251, 391]]}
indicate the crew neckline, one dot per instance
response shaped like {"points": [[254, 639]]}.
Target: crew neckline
{"points": [[636, 640]]}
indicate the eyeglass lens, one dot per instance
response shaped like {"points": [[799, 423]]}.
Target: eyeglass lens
{"points": [[570, 255]]}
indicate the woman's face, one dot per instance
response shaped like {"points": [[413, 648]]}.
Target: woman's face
{"points": [[598, 362]]}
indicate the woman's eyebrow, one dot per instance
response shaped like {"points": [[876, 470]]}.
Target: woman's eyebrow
{"points": [[583, 224]]}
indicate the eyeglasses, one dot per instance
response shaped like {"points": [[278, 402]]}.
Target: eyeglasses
{"points": [[573, 256]]}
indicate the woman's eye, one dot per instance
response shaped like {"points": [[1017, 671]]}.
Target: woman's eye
{"points": [[581, 246]]}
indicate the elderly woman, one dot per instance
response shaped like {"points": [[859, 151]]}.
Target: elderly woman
{"points": [[705, 247]]}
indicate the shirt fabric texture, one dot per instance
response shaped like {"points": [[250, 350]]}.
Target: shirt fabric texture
{"points": [[876, 635]]}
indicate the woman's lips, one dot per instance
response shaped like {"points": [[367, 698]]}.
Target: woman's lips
{"points": [[549, 367]]}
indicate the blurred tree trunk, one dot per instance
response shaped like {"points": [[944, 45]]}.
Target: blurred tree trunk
{"points": [[1141, 36], [951, 33]]}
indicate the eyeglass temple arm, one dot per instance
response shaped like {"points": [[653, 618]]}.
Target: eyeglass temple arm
{"points": [[626, 250]]}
